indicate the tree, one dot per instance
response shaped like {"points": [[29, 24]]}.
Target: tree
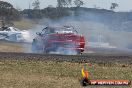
{"points": [[7, 11], [5, 8], [67, 2], [62, 3], [36, 4], [36, 12], [61, 10], [78, 3], [113, 6]]}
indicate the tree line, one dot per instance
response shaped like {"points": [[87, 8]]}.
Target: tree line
{"points": [[64, 8], [7, 11]]}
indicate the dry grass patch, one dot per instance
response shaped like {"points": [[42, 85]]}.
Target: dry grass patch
{"points": [[10, 47], [25, 24], [49, 74]]}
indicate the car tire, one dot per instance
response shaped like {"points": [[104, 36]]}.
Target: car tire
{"points": [[34, 47], [79, 52], [47, 51]]}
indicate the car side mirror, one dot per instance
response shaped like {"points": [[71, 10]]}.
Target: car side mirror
{"points": [[38, 33]]}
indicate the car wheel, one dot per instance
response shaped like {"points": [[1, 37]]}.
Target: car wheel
{"points": [[79, 52], [44, 50], [34, 46], [47, 51]]}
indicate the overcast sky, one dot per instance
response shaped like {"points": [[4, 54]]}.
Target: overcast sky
{"points": [[124, 5]]}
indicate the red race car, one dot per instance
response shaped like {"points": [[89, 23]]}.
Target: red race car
{"points": [[60, 40]]}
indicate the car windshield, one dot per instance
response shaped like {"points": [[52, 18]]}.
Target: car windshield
{"points": [[67, 30], [59, 30]]}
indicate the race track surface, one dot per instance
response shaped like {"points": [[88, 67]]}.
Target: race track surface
{"points": [[106, 58]]}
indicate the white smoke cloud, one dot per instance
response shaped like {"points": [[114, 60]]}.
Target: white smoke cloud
{"points": [[92, 28]]}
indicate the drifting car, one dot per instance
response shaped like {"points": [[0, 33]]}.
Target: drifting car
{"points": [[60, 40], [13, 34]]}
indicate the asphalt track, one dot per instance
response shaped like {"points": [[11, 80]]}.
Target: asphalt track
{"points": [[100, 58]]}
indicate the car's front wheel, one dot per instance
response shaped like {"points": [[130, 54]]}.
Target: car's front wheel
{"points": [[34, 46], [79, 52]]}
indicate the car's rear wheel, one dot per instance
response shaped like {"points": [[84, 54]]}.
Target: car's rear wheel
{"points": [[79, 52], [47, 51], [34, 46]]}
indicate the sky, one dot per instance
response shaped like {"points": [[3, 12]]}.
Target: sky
{"points": [[124, 5]]}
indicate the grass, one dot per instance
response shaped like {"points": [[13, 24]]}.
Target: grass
{"points": [[25, 24], [49, 74], [10, 47]]}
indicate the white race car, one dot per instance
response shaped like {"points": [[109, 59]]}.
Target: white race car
{"points": [[14, 34]]}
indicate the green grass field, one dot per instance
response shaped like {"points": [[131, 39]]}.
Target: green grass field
{"points": [[49, 74]]}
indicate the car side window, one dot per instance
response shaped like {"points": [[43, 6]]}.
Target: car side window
{"points": [[47, 31], [43, 31]]}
